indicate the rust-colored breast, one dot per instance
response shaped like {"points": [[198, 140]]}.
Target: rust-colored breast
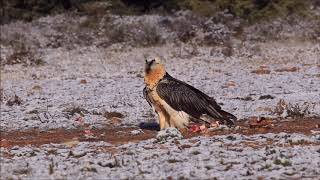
{"points": [[156, 100], [154, 76]]}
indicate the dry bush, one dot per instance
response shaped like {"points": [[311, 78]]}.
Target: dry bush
{"points": [[184, 30], [117, 33], [285, 110], [139, 34], [91, 22], [215, 34], [15, 100], [113, 114], [73, 109], [146, 35], [186, 25], [209, 31], [21, 52]]}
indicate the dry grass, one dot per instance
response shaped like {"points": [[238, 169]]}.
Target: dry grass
{"points": [[22, 53], [138, 34], [285, 109], [184, 29]]}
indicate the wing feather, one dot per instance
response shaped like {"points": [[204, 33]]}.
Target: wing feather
{"points": [[146, 95], [183, 97]]}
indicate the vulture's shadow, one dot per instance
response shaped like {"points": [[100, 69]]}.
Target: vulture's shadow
{"points": [[153, 126]]}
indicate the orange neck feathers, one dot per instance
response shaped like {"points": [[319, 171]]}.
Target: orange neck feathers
{"points": [[152, 77]]}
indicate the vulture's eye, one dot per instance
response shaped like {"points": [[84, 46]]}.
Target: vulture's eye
{"points": [[152, 62]]}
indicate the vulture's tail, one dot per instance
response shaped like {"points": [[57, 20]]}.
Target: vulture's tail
{"points": [[228, 118]]}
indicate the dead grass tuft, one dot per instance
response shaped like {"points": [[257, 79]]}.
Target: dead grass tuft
{"points": [[147, 35], [16, 100], [73, 109], [285, 109], [138, 34], [21, 52], [184, 30], [113, 114]]}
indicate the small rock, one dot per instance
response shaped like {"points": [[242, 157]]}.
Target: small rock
{"points": [[83, 81], [16, 100], [284, 114], [37, 88], [260, 122], [32, 111], [231, 138], [220, 127], [168, 134], [237, 128], [77, 153], [287, 69], [136, 132], [229, 84], [110, 115], [111, 163], [266, 97], [261, 70], [73, 109]]}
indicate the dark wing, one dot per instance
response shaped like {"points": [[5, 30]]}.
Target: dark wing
{"points": [[183, 97], [146, 96]]}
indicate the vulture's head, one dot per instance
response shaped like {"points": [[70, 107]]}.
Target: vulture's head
{"points": [[153, 65], [154, 71]]}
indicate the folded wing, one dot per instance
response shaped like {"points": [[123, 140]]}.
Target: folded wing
{"points": [[183, 97]]}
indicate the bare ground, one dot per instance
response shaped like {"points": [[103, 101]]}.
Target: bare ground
{"points": [[78, 115], [36, 137]]}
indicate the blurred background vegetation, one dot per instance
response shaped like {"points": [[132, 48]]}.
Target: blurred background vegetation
{"points": [[251, 10], [104, 23]]}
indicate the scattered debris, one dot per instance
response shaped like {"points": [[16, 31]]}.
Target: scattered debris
{"points": [[282, 161], [37, 88], [287, 69], [266, 97], [229, 84], [16, 100], [73, 109], [111, 163], [83, 81], [247, 98], [89, 134], [136, 132], [77, 153], [285, 110], [261, 70], [115, 118], [194, 128], [72, 142], [218, 128], [260, 122], [113, 114]]}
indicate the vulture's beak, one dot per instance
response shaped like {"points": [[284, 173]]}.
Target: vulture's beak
{"points": [[147, 67]]}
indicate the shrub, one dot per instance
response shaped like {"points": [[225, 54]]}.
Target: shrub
{"points": [[22, 53]]}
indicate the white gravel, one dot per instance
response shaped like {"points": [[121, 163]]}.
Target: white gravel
{"points": [[225, 157], [114, 82]]}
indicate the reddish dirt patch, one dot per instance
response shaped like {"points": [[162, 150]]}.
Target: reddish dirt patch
{"points": [[229, 84], [36, 137], [261, 70], [121, 135], [252, 126], [287, 69]]}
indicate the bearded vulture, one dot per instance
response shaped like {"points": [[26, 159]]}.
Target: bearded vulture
{"points": [[178, 103]]}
